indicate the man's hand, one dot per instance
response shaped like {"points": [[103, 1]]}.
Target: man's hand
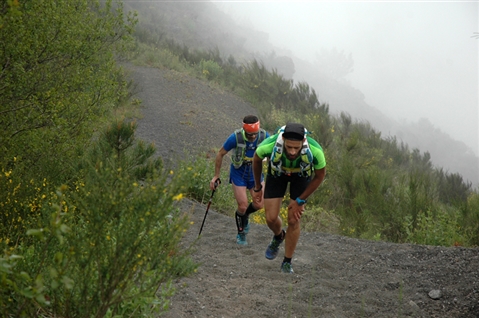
{"points": [[295, 209], [257, 196], [215, 182]]}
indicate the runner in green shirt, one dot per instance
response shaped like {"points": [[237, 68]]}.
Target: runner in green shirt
{"points": [[296, 159]]}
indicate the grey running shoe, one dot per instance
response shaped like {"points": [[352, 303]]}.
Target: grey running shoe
{"points": [[273, 248], [287, 268], [241, 239]]}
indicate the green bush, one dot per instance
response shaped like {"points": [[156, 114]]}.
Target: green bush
{"points": [[210, 70], [158, 57], [440, 228], [199, 172], [108, 246]]}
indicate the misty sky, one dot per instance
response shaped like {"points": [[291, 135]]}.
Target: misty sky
{"points": [[411, 59]]}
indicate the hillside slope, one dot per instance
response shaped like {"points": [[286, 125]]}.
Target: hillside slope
{"points": [[334, 276]]}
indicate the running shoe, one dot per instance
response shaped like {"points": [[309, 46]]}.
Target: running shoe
{"points": [[241, 239], [273, 248], [287, 268]]}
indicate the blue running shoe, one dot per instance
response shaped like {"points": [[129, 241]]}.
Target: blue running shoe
{"points": [[273, 248], [241, 239], [287, 268]]}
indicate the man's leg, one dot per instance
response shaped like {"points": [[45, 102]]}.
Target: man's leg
{"points": [[272, 209], [292, 236], [297, 186], [239, 193], [241, 218]]}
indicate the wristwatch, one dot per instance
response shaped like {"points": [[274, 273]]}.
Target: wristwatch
{"points": [[260, 188], [300, 201]]}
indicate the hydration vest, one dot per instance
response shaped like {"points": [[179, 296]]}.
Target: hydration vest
{"points": [[240, 150], [305, 166]]}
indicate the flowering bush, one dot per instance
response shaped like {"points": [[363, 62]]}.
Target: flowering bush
{"points": [[106, 245]]}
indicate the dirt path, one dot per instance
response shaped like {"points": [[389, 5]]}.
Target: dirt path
{"points": [[334, 276]]}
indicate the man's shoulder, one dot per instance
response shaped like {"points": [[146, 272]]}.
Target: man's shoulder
{"points": [[269, 139], [230, 142], [313, 142]]}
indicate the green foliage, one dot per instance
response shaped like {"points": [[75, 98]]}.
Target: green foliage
{"points": [[109, 246], [316, 219], [470, 219], [260, 84], [440, 229], [58, 77], [90, 226], [373, 184], [161, 58], [210, 70], [200, 171], [451, 187]]}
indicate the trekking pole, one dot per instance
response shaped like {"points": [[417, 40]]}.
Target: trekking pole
{"points": [[217, 182]]}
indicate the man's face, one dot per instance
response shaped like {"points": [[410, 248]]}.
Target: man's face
{"points": [[292, 148], [251, 136]]}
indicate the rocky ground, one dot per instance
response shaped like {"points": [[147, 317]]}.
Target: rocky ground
{"points": [[334, 276]]}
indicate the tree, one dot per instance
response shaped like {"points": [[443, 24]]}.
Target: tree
{"points": [[58, 73]]}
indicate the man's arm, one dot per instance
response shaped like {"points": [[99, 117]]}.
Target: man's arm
{"points": [[298, 210], [257, 170], [218, 162], [318, 178]]}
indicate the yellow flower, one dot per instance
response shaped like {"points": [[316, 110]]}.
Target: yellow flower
{"points": [[171, 172], [135, 184], [108, 237], [178, 197]]}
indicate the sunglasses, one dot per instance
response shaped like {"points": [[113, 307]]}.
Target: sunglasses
{"points": [[251, 134]]}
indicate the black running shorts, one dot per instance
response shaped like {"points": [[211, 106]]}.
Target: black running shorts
{"points": [[275, 187]]}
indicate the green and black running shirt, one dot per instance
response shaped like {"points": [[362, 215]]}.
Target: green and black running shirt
{"points": [[266, 148]]}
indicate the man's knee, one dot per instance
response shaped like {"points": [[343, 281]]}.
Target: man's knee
{"points": [[258, 205], [271, 218], [292, 222], [242, 206]]}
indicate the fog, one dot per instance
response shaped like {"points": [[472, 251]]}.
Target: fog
{"points": [[411, 60]]}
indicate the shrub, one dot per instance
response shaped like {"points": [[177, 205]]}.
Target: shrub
{"points": [[109, 246], [440, 229], [210, 70]]}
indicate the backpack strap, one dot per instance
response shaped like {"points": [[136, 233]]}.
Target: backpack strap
{"points": [[261, 137], [275, 159], [306, 164], [237, 158]]}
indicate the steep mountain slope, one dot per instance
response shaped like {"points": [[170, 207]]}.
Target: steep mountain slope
{"points": [[201, 25], [334, 276]]}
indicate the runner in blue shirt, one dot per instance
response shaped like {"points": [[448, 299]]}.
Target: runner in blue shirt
{"points": [[243, 142]]}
